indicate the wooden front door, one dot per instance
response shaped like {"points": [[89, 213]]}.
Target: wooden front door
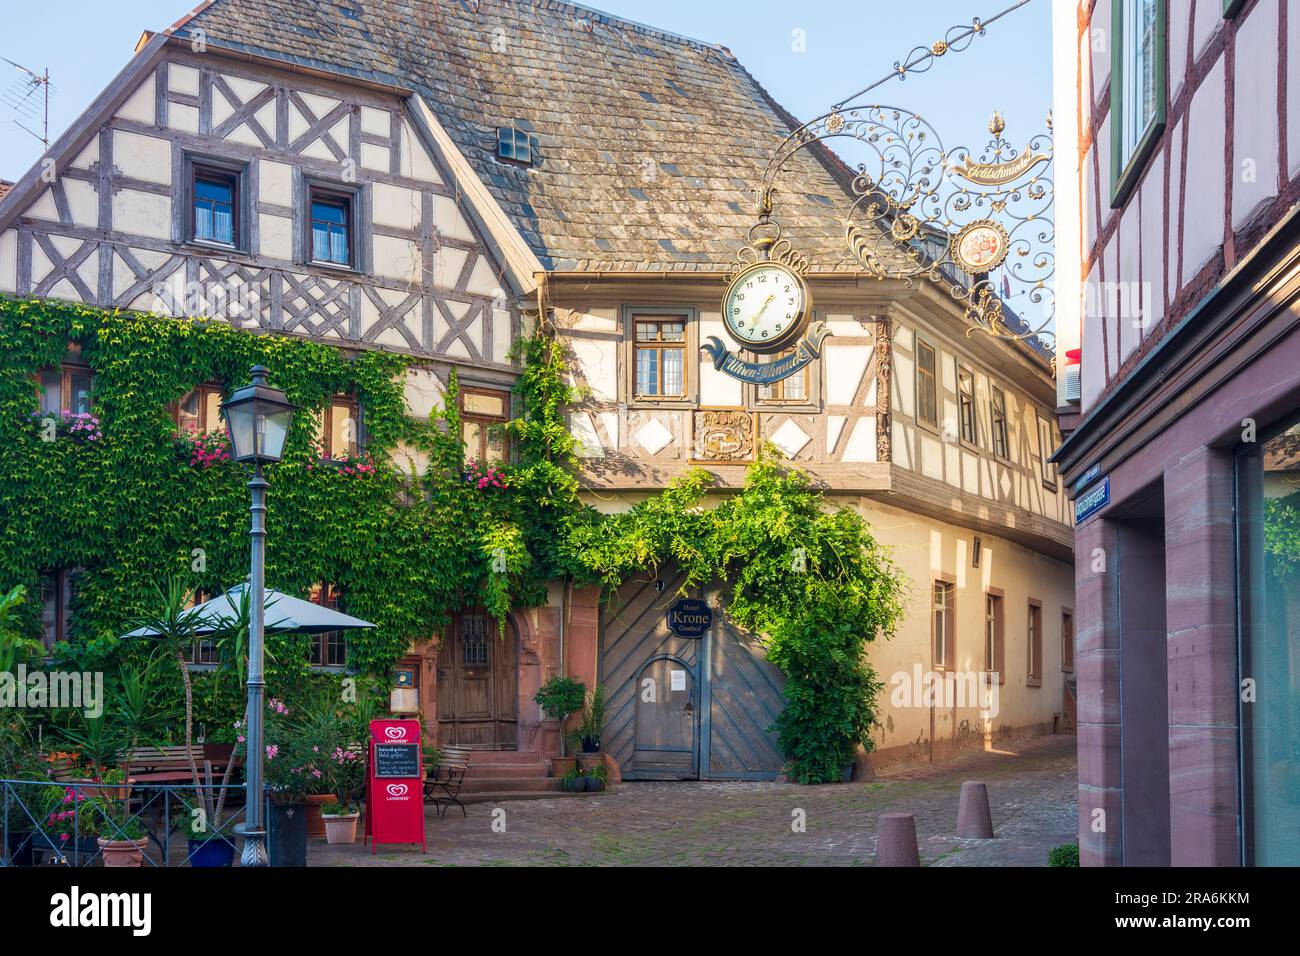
{"points": [[477, 681], [666, 712]]}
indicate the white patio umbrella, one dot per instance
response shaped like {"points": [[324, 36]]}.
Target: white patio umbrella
{"points": [[284, 614]]}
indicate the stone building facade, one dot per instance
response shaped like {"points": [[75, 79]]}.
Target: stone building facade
{"points": [[1181, 123], [425, 178]]}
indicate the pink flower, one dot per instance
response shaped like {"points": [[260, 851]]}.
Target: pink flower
{"points": [[271, 751]]}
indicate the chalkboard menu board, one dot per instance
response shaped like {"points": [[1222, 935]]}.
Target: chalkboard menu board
{"points": [[397, 760]]}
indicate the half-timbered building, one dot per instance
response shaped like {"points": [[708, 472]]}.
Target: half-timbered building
{"points": [[1180, 399], [423, 176]]}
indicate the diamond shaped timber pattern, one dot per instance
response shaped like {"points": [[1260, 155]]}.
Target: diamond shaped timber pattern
{"points": [[318, 129], [393, 317], [459, 328], [212, 277], [64, 268], [245, 112], [331, 302], [145, 279]]}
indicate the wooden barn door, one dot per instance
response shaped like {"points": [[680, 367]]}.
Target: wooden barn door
{"points": [[664, 739], [745, 696], [650, 729], [477, 684]]}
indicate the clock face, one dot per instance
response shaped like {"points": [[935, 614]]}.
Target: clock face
{"points": [[765, 307]]}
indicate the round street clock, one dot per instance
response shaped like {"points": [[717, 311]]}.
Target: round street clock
{"points": [[766, 307]]}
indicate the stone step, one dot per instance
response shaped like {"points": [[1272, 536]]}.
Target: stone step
{"points": [[481, 757], [503, 796], [504, 784], [502, 770]]}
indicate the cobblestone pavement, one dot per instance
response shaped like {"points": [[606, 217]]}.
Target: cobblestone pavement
{"points": [[1032, 792]]}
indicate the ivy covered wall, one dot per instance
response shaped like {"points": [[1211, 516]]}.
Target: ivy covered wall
{"points": [[132, 508], [131, 503]]}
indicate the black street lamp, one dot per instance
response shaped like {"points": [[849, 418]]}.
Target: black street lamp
{"points": [[257, 418]]}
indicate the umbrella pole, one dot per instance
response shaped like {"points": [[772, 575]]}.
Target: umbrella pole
{"points": [[254, 852]]}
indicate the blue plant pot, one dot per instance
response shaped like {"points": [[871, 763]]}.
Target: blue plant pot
{"points": [[211, 853]]}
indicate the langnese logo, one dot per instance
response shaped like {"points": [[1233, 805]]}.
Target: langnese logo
{"points": [[398, 791], [395, 733], [74, 909]]}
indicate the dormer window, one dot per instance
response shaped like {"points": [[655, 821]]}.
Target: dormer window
{"points": [[514, 146]]}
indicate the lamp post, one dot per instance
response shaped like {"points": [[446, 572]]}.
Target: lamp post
{"points": [[257, 418]]}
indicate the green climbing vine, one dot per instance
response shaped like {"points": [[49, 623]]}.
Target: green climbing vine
{"points": [[123, 496]]}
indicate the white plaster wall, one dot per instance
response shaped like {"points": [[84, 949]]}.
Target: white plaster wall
{"points": [[142, 214], [925, 548], [1203, 230], [717, 389], [1129, 250], [1209, 17], [143, 157], [1293, 93], [1254, 125], [8, 261], [845, 366], [1154, 252], [139, 106]]}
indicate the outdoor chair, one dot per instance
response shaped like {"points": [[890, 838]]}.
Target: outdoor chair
{"points": [[442, 785]]}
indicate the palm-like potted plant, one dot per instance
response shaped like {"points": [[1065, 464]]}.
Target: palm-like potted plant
{"points": [[591, 726], [558, 698], [176, 622], [347, 773]]}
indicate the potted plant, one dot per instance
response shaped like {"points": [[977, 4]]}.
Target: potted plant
{"points": [[321, 727], [573, 781], [288, 768], [177, 623], [592, 723], [340, 819], [558, 698], [208, 847], [597, 777], [121, 837], [71, 823], [347, 773]]}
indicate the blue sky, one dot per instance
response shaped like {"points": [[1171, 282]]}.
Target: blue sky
{"points": [[846, 46]]}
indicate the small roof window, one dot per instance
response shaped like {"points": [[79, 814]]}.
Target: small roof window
{"points": [[515, 146]]}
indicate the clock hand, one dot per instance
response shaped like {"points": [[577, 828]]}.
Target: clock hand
{"points": [[759, 314]]}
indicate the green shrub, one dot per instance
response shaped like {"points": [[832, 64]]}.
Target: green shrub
{"points": [[1067, 854]]}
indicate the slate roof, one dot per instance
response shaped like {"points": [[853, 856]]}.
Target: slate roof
{"points": [[651, 145]]}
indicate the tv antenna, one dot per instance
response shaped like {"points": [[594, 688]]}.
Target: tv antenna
{"points": [[21, 97]]}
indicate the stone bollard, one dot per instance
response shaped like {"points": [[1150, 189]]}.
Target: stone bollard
{"points": [[896, 840], [973, 817]]}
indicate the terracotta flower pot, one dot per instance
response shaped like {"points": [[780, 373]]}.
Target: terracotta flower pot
{"points": [[562, 765], [123, 852], [314, 801], [340, 828]]}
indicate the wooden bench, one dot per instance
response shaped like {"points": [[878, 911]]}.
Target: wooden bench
{"points": [[447, 776], [171, 764]]}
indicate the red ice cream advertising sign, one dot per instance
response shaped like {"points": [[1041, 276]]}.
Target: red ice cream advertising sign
{"points": [[394, 785]]}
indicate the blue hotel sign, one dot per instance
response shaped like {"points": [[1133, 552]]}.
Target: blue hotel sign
{"points": [[690, 617], [1089, 503]]}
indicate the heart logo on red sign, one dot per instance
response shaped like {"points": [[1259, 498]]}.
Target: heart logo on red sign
{"points": [[397, 789], [395, 733]]}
